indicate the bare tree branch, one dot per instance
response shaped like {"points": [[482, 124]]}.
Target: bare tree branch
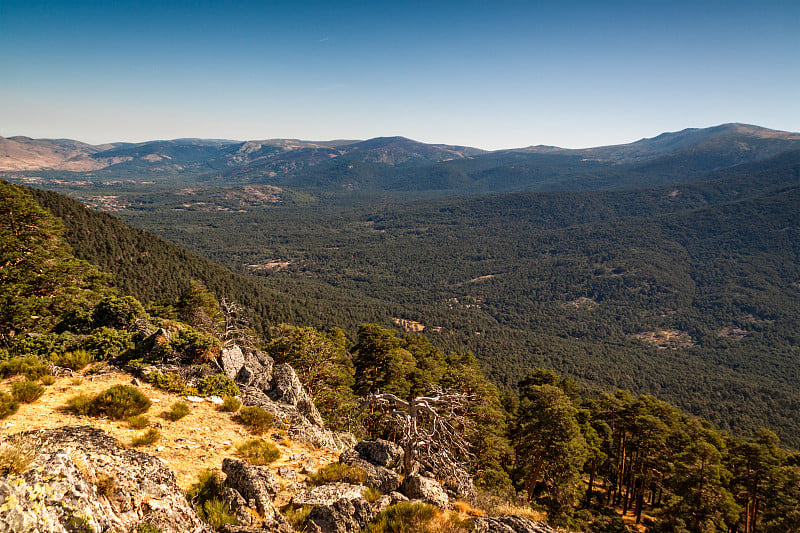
{"points": [[431, 432]]}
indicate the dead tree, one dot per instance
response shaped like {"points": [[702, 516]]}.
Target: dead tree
{"points": [[237, 328], [430, 430]]}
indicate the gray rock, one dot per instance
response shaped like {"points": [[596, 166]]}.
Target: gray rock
{"points": [[287, 473], [256, 484], [245, 376], [377, 476], [380, 452], [286, 388], [423, 488], [232, 360], [259, 366], [81, 479], [335, 508], [298, 427], [510, 524]]}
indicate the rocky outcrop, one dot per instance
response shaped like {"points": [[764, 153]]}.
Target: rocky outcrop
{"points": [[510, 524], [423, 488], [80, 479], [231, 360], [378, 477], [287, 389], [380, 453], [279, 391], [336, 508], [253, 487]]}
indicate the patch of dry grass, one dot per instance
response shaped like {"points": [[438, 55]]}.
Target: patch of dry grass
{"points": [[202, 439]]}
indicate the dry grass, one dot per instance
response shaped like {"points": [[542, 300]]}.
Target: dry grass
{"points": [[202, 439], [465, 509], [525, 511]]}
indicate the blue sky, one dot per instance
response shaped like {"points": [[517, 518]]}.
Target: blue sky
{"points": [[486, 74]]}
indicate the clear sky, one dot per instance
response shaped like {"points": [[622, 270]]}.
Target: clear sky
{"points": [[490, 74]]}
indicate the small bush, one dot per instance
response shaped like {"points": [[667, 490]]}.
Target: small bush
{"points": [[75, 382], [48, 380], [371, 494], [337, 472], [216, 512], [8, 405], [405, 517], [74, 360], [177, 411], [256, 419], [118, 312], [147, 528], [30, 367], [230, 404], [148, 437], [297, 515], [259, 452], [138, 421], [16, 453], [170, 382], [80, 404], [26, 391], [119, 402], [209, 485], [217, 385]]}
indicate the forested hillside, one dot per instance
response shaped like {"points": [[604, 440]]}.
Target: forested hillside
{"points": [[687, 291], [584, 458]]}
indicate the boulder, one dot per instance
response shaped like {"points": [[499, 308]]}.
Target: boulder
{"points": [[286, 388], [335, 508], [378, 477], [380, 453], [80, 479], [231, 360], [256, 484], [257, 370], [423, 488], [298, 427], [510, 524]]}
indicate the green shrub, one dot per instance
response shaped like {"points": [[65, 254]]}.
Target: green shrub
{"points": [[26, 391], [405, 517], [259, 452], [147, 528], [217, 385], [74, 360], [177, 411], [8, 405], [170, 382], [106, 343], [256, 419], [48, 380], [119, 402], [371, 494], [148, 437], [209, 485], [337, 472], [138, 421], [118, 312], [216, 512], [30, 367], [206, 495], [297, 515], [195, 346], [230, 404], [80, 404]]}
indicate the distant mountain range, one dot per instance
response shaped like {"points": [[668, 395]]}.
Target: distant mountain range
{"points": [[400, 164]]}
